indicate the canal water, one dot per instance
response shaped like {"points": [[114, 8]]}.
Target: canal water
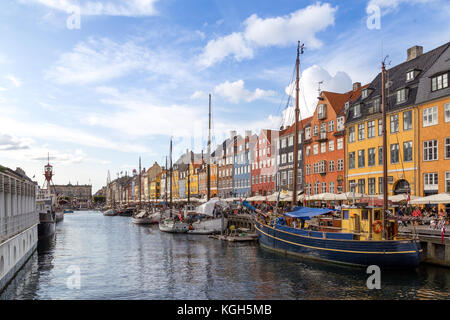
{"points": [[97, 257]]}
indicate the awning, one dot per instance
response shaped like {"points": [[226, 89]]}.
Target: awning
{"points": [[306, 213]]}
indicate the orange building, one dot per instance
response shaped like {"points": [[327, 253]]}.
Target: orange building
{"points": [[324, 143]]}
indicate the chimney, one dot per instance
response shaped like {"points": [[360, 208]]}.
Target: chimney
{"points": [[356, 86], [414, 52]]}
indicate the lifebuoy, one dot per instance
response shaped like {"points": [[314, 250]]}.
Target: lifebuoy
{"points": [[377, 226]]}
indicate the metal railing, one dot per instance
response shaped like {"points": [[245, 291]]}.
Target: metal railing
{"points": [[12, 225]]}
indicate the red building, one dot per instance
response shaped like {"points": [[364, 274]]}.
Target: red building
{"points": [[324, 145], [263, 168]]}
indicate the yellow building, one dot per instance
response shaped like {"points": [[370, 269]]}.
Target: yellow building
{"points": [[175, 184], [433, 102], [194, 169], [364, 162], [155, 187]]}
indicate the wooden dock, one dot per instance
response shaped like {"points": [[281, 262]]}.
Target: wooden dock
{"points": [[434, 251], [240, 228]]}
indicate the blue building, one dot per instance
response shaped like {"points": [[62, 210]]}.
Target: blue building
{"points": [[242, 171]]}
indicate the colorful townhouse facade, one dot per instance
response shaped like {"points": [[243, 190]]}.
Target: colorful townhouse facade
{"points": [[225, 158], [242, 169], [285, 157], [364, 129], [263, 172], [433, 126], [324, 143]]}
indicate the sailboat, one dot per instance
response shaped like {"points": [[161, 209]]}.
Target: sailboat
{"points": [[111, 211], [171, 224], [207, 223], [358, 236]]}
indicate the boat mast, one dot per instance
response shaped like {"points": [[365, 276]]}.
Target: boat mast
{"points": [[140, 182], [171, 173], [297, 112], [208, 158], [385, 184], [165, 181]]}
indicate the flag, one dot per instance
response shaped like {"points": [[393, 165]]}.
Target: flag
{"points": [[180, 216]]}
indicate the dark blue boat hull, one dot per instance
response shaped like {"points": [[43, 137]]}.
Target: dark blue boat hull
{"points": [[317, 245]]}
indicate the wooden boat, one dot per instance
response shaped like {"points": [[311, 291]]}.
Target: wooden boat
{"points": [[207, 223], [110, 213], [172, 226], [145, 217]]}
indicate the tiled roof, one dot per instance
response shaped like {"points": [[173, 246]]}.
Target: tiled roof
{"points": [[396, 79], [290, 130]]}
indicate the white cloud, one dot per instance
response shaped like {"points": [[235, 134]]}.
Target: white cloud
{"points": [[8, 142], [197, 95], [217, 50], [236, 92], [127, 8], [301, 25], [309, 85], [393, 4], [14, 80]]}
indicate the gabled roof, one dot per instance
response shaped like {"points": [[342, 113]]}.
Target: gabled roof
{"points": [[291, 129], [395, 80]]}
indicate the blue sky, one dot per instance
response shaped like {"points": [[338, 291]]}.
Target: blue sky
{"points": [[137, 72]]}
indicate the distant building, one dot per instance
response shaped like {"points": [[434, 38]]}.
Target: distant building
{"points": [[78, 195]]}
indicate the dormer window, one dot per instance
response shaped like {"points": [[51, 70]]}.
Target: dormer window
{"points": [[364, 94], [410, 75], [439, 82], [401, 95], [357, 110], [322, 111]]}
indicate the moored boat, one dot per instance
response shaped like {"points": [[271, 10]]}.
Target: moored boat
{"points": [[172, 226], [110, 213], [145, 217], [67, 211]]}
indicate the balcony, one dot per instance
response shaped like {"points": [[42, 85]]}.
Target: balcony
{"points": [[322, 137]]}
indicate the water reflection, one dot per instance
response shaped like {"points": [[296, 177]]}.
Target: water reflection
{"points": [[120, 260]]}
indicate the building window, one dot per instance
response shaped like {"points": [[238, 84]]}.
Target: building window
{"points": [[308, 133], [308, 150], [371, 157], [283, 158], [371, 185], [351, 134], [331, 126], [323, 147], [352, 185], [362, 186], [430, 150], [291, 157], [380, 185], [430, 116], [323, 127], [315, 131], [380, 127], [316, 167], [394, 153], [290, 177], [371, 129], [401, 96], [351, 160], [447, 148], [357, 110], [331, 187], [331, 145], [340, 143], [376, 105], [324, 187], [331, 166], [283, 143], [340, 165], [361, 131], [447, 112], [340, 123], [447, 182], [308, 169], [407, 120], [439, 82], [430, 181], [316, 187], [410, 75], [361, 158], [380, 156], [316, 149], [394, 123], [407, 151], [364, 94]]}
